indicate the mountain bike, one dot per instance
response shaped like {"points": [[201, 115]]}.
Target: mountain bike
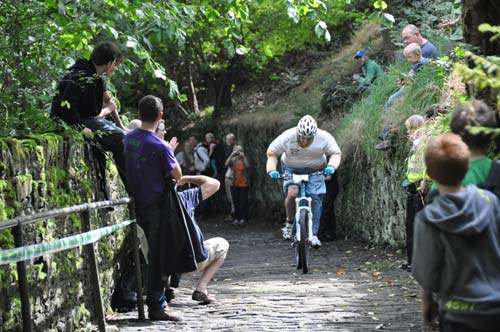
{"points": [[302, 224]]}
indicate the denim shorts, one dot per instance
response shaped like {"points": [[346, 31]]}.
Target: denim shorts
{"points": [[315, 185]]}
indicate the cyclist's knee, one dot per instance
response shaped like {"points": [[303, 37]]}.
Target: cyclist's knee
{"points": [[292, 191]]}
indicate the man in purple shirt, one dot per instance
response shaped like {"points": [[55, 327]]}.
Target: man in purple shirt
{"points": [[151, 171]]}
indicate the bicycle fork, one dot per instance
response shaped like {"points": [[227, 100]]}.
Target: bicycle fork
{"points": [[307, 207]]}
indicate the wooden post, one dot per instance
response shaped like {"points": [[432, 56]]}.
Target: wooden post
{"points": [[94, 274], [137, 263], [23, 282]]}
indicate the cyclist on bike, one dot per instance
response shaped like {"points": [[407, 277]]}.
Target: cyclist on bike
{"points": [[304, 149]]}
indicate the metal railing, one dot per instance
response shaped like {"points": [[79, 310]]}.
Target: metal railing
{"points": [[23, 253]]}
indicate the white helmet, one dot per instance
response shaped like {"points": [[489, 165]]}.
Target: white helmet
{"points": [[307, 127]]}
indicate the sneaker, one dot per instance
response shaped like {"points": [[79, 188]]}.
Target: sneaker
{"points": [[315, 242], [202, 298], [163, 314], [384, 145], [286, 231], [242, 222], [236, 222], [406, 267]]}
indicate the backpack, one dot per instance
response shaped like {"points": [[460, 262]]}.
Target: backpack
{"points": [[201, 159], [493, 181]]}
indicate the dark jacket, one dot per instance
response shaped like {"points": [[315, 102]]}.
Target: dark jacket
{"points": [[457, 255], [79, 94], [181, 243]]}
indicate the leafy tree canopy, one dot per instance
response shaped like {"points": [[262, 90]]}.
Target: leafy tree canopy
{"points": [[39, 39]]}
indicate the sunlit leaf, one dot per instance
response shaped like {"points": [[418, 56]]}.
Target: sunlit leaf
{"points": [[159, 73], [380, 4]]}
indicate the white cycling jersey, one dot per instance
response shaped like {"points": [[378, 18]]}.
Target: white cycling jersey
{"points": [[312, 157]]}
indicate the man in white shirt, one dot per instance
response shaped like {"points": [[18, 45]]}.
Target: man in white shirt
{"points": [[304, 149]]}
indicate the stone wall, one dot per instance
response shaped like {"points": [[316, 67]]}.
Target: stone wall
{"points": [[48, 171], [40, 173], [371, 203]]}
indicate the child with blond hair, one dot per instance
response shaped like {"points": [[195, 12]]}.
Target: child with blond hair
{"points": [[415, 182], [413, 54]]}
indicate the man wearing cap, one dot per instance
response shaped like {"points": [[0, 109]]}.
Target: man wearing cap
{"points": [[370, 71]]}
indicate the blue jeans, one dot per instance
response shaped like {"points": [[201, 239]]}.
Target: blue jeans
{"points": [[315, 188], [393, 97], [150, 219]]}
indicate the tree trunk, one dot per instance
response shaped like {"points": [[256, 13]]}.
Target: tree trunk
{"points": [[219, 90], [196, 108], [476, 12]]}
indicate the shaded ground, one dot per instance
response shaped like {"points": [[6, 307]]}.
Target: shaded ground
{"points": [[352, 287]]}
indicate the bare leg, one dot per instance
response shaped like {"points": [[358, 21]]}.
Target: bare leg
{"points": [[292, 192], [208, 273]]}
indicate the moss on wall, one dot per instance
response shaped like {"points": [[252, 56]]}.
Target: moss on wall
{"points": [[40, 173]]}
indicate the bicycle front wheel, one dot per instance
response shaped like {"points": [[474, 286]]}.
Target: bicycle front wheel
{"points": [[303, 245]]}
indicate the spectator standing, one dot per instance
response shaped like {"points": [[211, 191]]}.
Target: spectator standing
{"points": [[216, 155], [201, 157], [415, 182], [135, 123], [161, 130], [213, 251], [81, 99], [410, 34], [238, 162], [457, 245], [186, 159], [328, 224], [152, 167], [215, 170], [228, 172], [475, 113], [369, 68]]}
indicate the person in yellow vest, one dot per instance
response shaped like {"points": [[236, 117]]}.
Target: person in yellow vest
{"points": [[415, 182]]}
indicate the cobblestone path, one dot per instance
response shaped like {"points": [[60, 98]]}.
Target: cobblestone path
{"points": [[351, 287]]}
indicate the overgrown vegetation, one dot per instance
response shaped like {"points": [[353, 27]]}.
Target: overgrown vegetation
{"points": [[192, 53]]}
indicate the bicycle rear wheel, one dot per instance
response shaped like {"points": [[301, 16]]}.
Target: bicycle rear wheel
{"points": [[303, 245]]}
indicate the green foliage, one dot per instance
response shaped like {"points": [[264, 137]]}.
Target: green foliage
{"points": [[484, 76], [368, 117], [380, 16], [39, 39], [485, 27]]}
